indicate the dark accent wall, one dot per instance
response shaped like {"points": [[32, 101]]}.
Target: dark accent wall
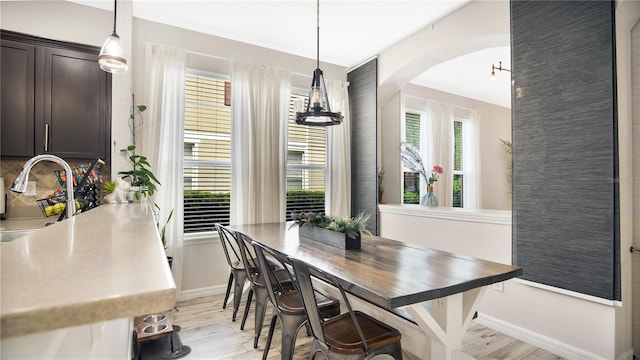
{"points": [[363, 97], [565, 193]]}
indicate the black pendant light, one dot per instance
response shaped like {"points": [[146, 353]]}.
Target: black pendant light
{"points": [[317, 111], [111, 58]]}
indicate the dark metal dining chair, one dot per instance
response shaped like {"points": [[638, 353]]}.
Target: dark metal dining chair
{"points": [[288, 305], [237, 274], [351, 335], [258, 285]]}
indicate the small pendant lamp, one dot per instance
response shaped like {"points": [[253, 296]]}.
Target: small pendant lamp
{"points": [[317, 111], [111, 58]]}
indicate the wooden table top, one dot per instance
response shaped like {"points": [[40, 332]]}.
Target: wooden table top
{"points": [[385, 272]]}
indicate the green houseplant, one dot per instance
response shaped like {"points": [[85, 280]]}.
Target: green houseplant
{"points": [[140, 175], [344, 233]]}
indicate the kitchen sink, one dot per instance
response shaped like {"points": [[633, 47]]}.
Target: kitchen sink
{"points": [[10, 235]]}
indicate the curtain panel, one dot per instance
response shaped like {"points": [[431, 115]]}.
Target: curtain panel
{"points": [[471, 162], [259, 115], [338, 171], [162, 140], [440, 135]]}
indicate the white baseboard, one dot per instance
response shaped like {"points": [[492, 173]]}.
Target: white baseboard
{"points": [[201, 292], [544, 342]]}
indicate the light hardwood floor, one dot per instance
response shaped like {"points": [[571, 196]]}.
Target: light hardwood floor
{"points": [[209, 331]]}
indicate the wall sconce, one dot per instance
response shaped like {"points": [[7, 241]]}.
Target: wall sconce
{"points": [[499, 68]]}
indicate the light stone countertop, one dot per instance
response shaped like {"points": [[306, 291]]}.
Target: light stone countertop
{"points": [[107, 263]]}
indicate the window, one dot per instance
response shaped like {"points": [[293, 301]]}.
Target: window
{"points": [[458, 164], [415, 133], [306, 164], [207, 152], [411, 183]]}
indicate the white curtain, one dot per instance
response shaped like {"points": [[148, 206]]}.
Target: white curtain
{"points": [[162, 139], [439, 126], [259, 115], [338, 174], [471, 155]]}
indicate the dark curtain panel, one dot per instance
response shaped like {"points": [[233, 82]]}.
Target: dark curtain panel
{"points": [[363, 99], [565, 193]]}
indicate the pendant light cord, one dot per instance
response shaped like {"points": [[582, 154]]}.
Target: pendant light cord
{"points": [[115, 14], [318, 35]]}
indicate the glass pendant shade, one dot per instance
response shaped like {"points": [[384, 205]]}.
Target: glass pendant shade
{"points": [[111, 58], [318, 111]]}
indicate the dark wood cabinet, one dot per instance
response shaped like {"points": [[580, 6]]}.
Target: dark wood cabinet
{"points": [[17, 78], [61, 104]]}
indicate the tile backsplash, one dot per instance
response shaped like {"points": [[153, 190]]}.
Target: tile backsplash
{"points": [[20, 205]]}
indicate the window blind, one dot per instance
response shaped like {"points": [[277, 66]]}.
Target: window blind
{"points": [[411, 184], [306, 164], [207, 153]]}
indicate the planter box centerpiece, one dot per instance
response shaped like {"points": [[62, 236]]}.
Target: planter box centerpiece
{"points": [[343, 233]]}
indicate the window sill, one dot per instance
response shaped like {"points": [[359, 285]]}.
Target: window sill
{"points": [[209, 237], [499, 217]]}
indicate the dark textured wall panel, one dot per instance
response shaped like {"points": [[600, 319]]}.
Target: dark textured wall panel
{"points": [[363, 97], [565, 220]]}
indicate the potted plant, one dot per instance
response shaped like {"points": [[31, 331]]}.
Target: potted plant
{"points": [[140, 175], [344, 233]]}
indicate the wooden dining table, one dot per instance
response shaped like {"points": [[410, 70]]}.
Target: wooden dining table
{"points": [[399, 277]]}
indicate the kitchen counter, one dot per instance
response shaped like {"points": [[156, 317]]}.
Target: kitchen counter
{"points": [[107, 263]]}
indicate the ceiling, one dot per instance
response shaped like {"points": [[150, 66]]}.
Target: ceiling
{"points": [[350, 33]]}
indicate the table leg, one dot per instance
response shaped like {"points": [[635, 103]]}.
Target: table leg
{"points": [[446, 324]]}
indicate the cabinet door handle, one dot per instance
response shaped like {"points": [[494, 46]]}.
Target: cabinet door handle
{"points": [[46, 137]]}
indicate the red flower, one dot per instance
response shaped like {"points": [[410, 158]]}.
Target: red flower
{"points": [[437, 169]]}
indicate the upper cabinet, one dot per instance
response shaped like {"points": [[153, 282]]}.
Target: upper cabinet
{"points": [[17, 78], [54, 99]]}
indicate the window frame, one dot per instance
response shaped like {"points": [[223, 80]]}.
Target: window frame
{"points": [[422, 148], [305, 148], [195, 138], [426, 150]]}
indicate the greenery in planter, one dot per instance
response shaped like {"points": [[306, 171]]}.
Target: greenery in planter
{"points": [[351, 226], [141, 174]]}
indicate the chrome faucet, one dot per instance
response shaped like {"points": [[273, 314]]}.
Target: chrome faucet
{"points": [[20, 184]]}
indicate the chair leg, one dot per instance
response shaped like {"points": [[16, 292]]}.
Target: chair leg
{"points": [[246, 309], [272, 327], [240, 278], [262, 297], [226, 295], [290, 327], [394, 350]]}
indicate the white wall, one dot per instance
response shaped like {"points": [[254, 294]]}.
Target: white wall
{"points": [[495, 124], [568, 324], [475, 26]]}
